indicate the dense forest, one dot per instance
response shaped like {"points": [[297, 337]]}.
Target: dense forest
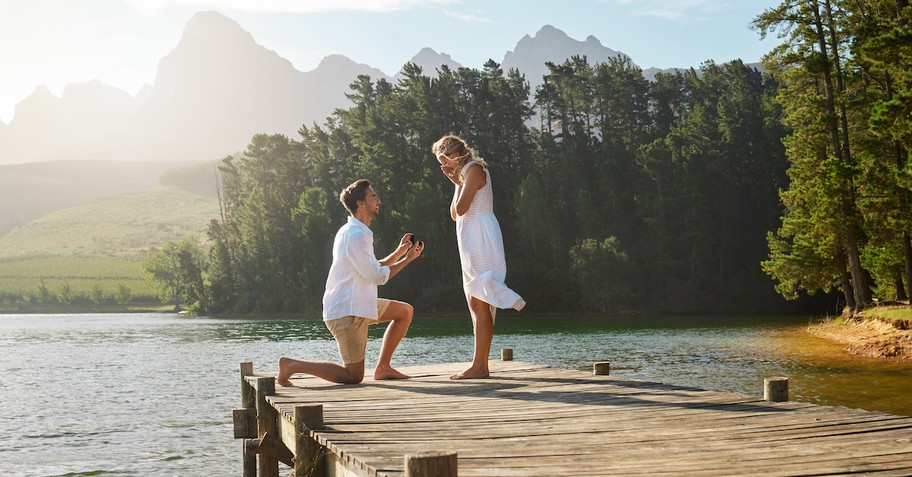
{"points": [[707, 190]]}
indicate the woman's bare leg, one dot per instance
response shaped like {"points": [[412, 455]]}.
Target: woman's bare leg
{"points": [[484, 333]]}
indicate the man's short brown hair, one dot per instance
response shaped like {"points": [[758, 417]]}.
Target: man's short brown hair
{"points": [[353, 193]]}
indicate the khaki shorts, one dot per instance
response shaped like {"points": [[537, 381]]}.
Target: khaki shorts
{"points": [[350, 333]]}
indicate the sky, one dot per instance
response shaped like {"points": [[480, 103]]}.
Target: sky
{"points": [[120, 42]]}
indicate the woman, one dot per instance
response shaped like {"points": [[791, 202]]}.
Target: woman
{"points": [[481, 249]]}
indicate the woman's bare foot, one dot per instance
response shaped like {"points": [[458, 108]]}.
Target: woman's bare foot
{"points": [[282, 377], [472, 373], [386, 372]]}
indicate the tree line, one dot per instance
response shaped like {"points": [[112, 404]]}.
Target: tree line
{"points": [[615, 194], [846, 94]]}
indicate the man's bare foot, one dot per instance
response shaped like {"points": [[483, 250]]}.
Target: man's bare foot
{"points": [[282, 377], [472, 373], [382, 374]]}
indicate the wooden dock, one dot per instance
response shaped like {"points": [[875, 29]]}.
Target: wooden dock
{"points": [[532, 420]]}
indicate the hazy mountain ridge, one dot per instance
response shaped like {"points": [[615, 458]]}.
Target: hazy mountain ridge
{"points": [[215, 90], [551, 44], [430, 62]]}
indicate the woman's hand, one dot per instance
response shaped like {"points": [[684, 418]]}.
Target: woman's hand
{"points": [[450, 173]]}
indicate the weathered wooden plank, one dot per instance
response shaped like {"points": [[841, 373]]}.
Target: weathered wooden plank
{"points": [[529, 420]]}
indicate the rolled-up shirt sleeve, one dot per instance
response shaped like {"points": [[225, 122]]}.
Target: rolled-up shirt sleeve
{"points": [[362, 257]]}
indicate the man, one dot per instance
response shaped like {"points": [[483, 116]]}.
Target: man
{"points": [[350, 302]]}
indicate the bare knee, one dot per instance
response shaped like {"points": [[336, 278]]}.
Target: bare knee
{"points": [[354, 380], [403, 313], [355, 373]]}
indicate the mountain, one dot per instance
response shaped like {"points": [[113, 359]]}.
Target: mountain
{"points": [[212, 93], [217, 88], [44, 125], [430, 61], [327, 85], [550, 44]]}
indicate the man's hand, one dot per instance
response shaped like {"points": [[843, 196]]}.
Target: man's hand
{"points": [[404, 245], [415, 251], [403, 255]]}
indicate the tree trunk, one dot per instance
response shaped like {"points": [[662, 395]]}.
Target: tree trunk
{"points": [[846, 284], [899, 289], [861, 289], [907, 253], [840, 145]]}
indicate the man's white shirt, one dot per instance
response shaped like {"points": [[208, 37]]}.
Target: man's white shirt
{"points": [[355, 274]]}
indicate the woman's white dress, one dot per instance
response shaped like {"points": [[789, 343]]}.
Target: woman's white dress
{"points": [[481, 251]]}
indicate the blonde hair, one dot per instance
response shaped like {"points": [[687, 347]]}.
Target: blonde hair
{"points": [[456, 148]]}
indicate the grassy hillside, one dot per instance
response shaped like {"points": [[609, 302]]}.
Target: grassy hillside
{"points": [[29, 191], [127, 227], [92, 252]]}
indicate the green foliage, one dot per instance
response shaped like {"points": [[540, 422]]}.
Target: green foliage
{"points": [[65, 294], [684, 172], [124, 295], [845, 89], [97, 294], [603, 275], [43, 295], [176, 272], [201, 179]]}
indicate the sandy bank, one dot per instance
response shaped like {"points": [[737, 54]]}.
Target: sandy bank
{"points": [[869, 335]]}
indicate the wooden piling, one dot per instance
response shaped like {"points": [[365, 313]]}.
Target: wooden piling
{"points": [[247, 410], [309, 454], [270, 446], [431, 464], [602, 368], [776, 389], [267, 422], [506, 354]]}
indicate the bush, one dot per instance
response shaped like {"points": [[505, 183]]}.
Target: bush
{"points": [[603, 275]]}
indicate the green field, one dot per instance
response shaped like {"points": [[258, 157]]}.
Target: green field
{"points": [[24, 275], [86, 254]]}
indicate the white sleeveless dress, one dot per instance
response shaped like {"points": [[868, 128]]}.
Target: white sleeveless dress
{"points": [[481, 251]]}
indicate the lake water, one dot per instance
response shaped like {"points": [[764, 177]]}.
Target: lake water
{"points": [[152, 394]]}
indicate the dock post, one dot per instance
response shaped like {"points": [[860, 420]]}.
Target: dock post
{"points": [[506, 354], [776, 389], [267, 421], [431, 464], [602, 368], [248, 408], [309, 453]]}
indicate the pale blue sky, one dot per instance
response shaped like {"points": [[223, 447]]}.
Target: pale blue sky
{"points": [[55, 42]]}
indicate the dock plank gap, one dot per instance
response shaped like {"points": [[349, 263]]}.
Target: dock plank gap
{"points": [[534, 420]]}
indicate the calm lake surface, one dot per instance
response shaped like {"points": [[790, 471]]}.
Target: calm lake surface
{"points": [[152, 394]]}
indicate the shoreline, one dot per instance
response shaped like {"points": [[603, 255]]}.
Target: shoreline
{"points": [[881, 332]]}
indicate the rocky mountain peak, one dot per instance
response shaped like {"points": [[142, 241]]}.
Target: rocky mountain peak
{"points": [[551, 44]]}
